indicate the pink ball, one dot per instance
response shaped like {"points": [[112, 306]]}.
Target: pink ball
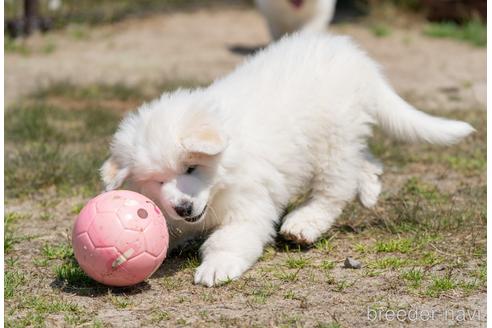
{"points": [[120, 238]]}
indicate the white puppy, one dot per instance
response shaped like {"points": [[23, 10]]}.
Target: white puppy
{"points": [[227, 159], [287, 16]]}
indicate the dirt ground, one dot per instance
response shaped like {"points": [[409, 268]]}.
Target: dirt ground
{"points": [[422, 248]]}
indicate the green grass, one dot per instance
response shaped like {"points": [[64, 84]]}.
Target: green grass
{"points": [[92, 92], [324, 245], [59, 251], [297, 262], [473, 32], [388, 263], [120, 301], [191, 262], [59, 137], [261, 294], [440, 285], [380, 30], [12, 280], [68, 271], [71, 273], [9, 238], [15, 46], [39, 307], [401, 245], [287, 276], [413, 277], [159, 316], [327, 265]]}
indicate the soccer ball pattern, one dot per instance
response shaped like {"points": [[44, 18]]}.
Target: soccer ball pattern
{"points": [[120, 238]]}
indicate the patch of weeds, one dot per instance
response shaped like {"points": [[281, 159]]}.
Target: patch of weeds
{"points": [[40, 262], [45, 216], [11, 261], [261, 294], [76, 208], [400, 245], [297, 262], [97, 323], [288, 276], [440, 285], [71, 273], [473, 32], [341, 285], [159, 316], [481, 274], [75, 319], [415, 187], [9, 238], [361, 248], [208, 297], [468, 287], [329, 279], [46, 305], [290, 295], [476, 162], [121, 302], [39, 307], [60, 251], [191, 262], [12, 280], [324, 245], [388, 263], [15, 46], [268, 254], [97, 91], [292, 321], [181, 321], [327, 265], [380, 30], [429, 258], [170, 283], [413, 276]]}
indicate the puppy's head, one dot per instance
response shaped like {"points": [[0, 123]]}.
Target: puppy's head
{"points": [[169, 150]]}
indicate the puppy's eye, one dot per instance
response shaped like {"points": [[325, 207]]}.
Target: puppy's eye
{"points": [[190, 169], [161, 182]]}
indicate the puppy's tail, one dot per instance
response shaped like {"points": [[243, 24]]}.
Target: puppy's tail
{"points": [[404, 122]]}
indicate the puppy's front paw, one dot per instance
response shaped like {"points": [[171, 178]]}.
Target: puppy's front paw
{"points": [[220, 267]]}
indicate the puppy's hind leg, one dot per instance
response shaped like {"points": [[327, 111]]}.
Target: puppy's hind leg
{"points": [[335, 184], [369, 183]]}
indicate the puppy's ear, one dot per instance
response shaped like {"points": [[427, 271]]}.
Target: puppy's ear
{"points": [[204, 139], [112, 174]]}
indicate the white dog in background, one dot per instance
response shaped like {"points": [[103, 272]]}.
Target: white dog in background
{"points": [[226, 160], [287, 16]]}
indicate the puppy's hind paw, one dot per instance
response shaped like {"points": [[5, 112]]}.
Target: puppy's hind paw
{"points": [[219, 268], [300, 231], [369, 193]]}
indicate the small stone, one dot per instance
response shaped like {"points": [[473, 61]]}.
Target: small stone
{"points": [[350, 263]]}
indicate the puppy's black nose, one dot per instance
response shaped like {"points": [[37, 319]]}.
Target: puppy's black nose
{"points": [[184, 209]]}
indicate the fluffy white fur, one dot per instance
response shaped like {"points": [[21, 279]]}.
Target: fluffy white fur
{"points": [[287, 16], [294, 117]]}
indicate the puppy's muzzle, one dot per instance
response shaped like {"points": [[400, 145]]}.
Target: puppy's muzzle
{"points": [[194, 219]]}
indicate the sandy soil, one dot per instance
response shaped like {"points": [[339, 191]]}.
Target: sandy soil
{"points": [[195, 46]]}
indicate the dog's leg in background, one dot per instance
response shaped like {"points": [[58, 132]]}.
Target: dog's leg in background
{"points": [[335, 184], [235, 246]]}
